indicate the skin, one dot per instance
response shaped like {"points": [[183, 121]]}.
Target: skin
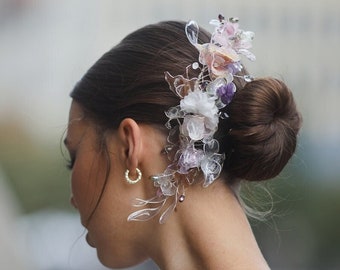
{"points": [[209, 230]]}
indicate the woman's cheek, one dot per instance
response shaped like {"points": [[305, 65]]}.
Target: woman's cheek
{"points": [[88, 181], [80, 190]]}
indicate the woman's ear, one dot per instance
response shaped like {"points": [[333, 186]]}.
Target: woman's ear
{"points": [[130, 135]]}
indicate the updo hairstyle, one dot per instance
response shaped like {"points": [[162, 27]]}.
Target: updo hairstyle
{"points": [[258, 138]]}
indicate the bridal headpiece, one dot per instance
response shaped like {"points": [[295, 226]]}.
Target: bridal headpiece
{"points": [[192, 124]]}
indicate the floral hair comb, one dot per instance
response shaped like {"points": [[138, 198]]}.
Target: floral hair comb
{"points": [[193, 123]]}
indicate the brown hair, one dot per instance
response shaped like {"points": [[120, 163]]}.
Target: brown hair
{"points": [[264, 125], [260, 134]]}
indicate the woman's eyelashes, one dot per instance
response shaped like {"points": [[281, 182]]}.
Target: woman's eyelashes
{"points": [[70, 163]]}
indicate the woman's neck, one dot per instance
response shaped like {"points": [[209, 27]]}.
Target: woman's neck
{"points": [[209, 230]]}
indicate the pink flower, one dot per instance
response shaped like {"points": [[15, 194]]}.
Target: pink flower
{"points": [[217, 59], [224, 33]]}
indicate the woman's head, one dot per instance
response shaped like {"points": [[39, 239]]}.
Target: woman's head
{"points": [[126, 88], [128, 82]]}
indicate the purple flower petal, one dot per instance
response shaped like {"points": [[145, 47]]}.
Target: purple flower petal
{"points": [[226, 92]]}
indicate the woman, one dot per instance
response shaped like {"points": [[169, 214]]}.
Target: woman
{"points": [[162, 129]]}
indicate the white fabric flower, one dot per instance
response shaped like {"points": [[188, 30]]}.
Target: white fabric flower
{"points": [[199, 103], [190, 158], [193, 126]]}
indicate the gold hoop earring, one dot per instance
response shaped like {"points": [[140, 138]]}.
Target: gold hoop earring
{"points": [[130, 181]]}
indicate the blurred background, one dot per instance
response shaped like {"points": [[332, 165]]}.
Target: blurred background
{"points": [[45, 48]]}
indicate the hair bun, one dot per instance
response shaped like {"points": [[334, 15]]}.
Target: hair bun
{"points": [[264, 127]]}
